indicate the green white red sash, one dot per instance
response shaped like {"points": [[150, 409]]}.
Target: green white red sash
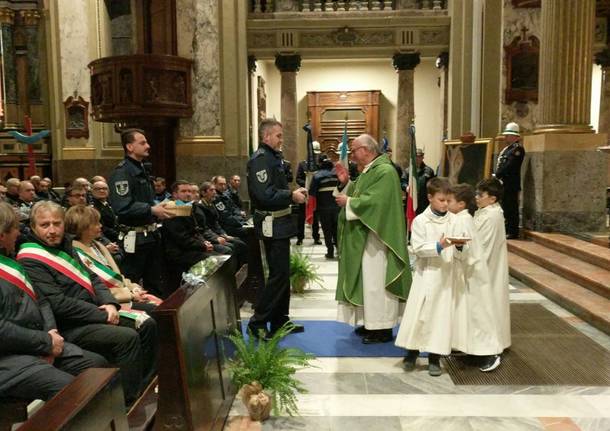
{"points": [[106, 274], [58, 260], [12, 272]]}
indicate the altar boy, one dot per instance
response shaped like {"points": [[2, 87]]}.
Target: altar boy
{"points": [[489, 223], [474, 328], [427, 319]]}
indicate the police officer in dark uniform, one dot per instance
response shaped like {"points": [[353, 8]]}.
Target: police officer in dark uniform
{"points": [[131, 198], [301, 179], [231, 217], [271, 199], [508, 170], [424, 174], [322, 187]]}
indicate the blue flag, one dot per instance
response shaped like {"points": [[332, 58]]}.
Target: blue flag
{"points": [[385, 144], [344, 141]]}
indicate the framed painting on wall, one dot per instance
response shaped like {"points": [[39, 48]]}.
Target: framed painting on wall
{"points": [[467, 162]]}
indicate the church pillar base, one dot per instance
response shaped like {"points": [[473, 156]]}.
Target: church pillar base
{"points": [[564, 182]]}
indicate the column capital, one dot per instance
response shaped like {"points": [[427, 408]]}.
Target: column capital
{"points": [[30, 17], [405, 61], [602, 58], [251, 64], [442, 61], [288, 63], [7, 16]]}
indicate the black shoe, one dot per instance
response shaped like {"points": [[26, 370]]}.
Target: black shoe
{"points": [[329, 256], [409, 360], [434, 365], [299, 242], [294, 328], [376, 336], [360, 331], [490, 363], [317, 242]]}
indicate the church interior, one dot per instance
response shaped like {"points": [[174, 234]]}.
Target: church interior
{"points": [[198, 76]]}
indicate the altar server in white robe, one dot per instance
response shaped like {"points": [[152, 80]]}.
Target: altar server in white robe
{"points": [[489, 223], [474, 329], [427, 320]]}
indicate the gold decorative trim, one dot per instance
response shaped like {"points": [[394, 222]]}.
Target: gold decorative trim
{"points": [[185, 140], [78, 153], [30, 17], [563, 128], [564, 142], [7, 16]]}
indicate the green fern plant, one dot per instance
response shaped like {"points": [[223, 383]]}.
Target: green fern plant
{"points": [[270, 365], [302, 272]]}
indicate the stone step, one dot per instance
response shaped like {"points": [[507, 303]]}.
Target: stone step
{"points": [[583, 250], [592, 277], [589, 306]]}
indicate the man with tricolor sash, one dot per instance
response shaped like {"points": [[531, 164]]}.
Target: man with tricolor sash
{"points": [[35, 361], [85, 310]]}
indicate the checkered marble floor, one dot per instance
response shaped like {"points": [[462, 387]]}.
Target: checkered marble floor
{"points": [[375, 394]]}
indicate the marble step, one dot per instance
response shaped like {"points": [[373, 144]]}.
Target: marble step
{"points": [[583, 250], [589, 306], [592, 277]]}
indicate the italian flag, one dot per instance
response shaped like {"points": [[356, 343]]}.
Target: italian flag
{"points": [[412, 195]]}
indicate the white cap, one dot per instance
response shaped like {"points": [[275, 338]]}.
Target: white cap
{"points": [[511, 129], [316, 147]]}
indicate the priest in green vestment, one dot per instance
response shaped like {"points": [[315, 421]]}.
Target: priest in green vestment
{"points": [[374, 272]]}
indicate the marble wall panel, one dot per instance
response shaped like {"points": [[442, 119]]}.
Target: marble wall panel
{"points": [[34, 91], [66, 170], [198, 38], [526, 114], [73, 44], [201, 168], [563, 191], [8, 63]]}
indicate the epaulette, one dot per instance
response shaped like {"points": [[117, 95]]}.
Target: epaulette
{"points": [[122, 163]]}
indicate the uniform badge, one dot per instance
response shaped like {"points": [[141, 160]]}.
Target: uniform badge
{"points": [[517, 153], [121, 187], [220, 206], [261, 176]]}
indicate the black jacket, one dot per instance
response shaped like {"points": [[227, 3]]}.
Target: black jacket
{"points": [[269, 191], [72, 304], [183, 244], [509, 167], [210, 215], [108, 219], [131, 193]]}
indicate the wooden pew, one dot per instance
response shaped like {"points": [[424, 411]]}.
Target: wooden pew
{"points": [[92, 402], [254, 275], [12, 410], [194, 385]]}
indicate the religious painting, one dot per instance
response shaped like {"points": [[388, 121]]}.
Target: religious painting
{"points": [[467, 162], [522, 63], [261, 97], [77, 117]]}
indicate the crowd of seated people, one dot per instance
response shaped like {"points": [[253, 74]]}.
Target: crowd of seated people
{"points": [[65, 304]]}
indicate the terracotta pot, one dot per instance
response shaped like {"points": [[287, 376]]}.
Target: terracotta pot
{"points": [[299, 285], [257, 401]]}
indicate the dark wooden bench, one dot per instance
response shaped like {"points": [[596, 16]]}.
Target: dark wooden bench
{"points": [[194, 385], [93, 401], [12, 410]]}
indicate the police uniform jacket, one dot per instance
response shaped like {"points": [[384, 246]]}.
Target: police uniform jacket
{"points": [[131, 193], [509, 166], [235, 198], [269, 191], [184, 246], [230, 216], [201, 223], [212, 218], [322, 182], [108, 219], [72, 305]]}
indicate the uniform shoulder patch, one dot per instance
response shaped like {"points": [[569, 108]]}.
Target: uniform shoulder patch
{"points": [[220, 206], [261, 176], [517, 153], [121, 187]]}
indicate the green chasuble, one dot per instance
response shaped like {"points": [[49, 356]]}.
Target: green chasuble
{"points": [[376, 198]]}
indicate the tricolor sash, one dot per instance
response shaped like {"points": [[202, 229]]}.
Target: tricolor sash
{"points": [[12, 272], [58, 260], [106, 274]]}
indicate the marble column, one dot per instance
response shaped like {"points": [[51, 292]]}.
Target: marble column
{"points": [[442, 63], [564, 176], [405, 104], [289, 65], [603, 59], [566, 58]]}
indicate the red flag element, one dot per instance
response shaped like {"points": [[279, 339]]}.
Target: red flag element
{"points": [[413, 186], [310, 208]]}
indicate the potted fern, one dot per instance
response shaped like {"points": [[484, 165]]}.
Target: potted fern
{"points": [[302, 272], [264, 372]]}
